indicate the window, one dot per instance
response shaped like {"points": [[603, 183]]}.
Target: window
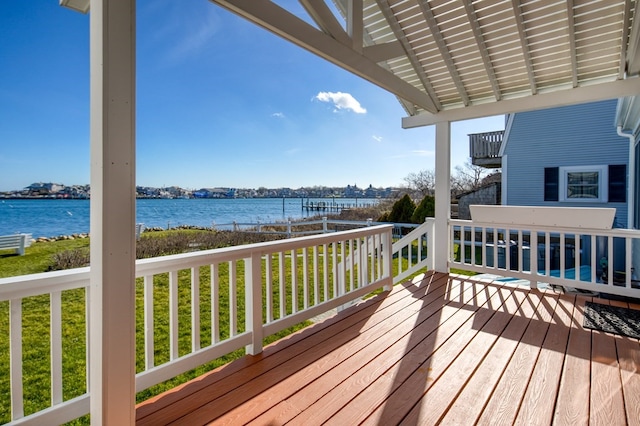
{"points": [[582, 184], [586, 183]]}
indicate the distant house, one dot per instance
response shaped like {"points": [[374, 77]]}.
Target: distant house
{"points": [[215, 193], [44, 188], [489, 193]]}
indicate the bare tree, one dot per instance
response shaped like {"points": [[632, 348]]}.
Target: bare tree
{"points": [[467, 177], [421, 183]]}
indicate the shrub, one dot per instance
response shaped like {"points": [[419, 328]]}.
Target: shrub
{"points": [[426, 208], [163, 244], [402, 210], [69, 259]]}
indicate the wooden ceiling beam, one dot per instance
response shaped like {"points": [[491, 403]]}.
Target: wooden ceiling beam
{"points": [[543, 100], [444, 50], [279, 21], [326, 20], [484, 54]]}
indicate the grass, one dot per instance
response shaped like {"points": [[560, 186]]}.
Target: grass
{"points": [[41, 257], [38, 257]]}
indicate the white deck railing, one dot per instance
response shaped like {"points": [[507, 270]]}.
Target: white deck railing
{"points": [[318, 226], [267, 288], [587, 259], [413, 249]]}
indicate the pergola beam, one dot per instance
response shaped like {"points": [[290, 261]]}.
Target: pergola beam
{"points": [[572, 43], [283, 23], [525, 45], [577, 95], [326, 21], [444, 50], [413, 59], [482, 48]]}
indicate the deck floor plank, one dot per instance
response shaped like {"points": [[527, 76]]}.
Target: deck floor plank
{"points": [[337, 365], [605, 380], [447, 350], [368, 386], [219, 382], [248, 386], [444, 391], [345, 370], [525, 329], [412, 381], [505, 400], [538, 404], [572, 405]]}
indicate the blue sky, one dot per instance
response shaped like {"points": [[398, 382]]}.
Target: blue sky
{"points": [[220, 102]]}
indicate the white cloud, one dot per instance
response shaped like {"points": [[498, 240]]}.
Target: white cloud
{"points": [[377, 138], [341, 101], [277, 115]]}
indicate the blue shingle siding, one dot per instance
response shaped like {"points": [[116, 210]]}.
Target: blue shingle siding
{"points": [[577, 135]]}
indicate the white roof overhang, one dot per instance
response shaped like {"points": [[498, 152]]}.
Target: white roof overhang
{"points": [[449, 60], [77, 5], [628, 114]]}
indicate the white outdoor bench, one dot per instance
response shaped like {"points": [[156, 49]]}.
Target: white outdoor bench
{"points": [[17, 242]]}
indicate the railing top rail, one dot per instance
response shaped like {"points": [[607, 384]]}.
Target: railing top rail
{"points": [[46, 282], [205, 257], [495, 132], [316, 222], [615, 232]]}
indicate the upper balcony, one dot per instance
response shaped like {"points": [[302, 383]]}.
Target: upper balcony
{"points": [[484, 149]]}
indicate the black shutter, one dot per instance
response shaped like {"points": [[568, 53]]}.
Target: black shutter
{"points": [[618, 183], [551, 183]]}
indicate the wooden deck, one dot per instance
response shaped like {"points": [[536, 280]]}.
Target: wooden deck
{"points": [[446, 350]]}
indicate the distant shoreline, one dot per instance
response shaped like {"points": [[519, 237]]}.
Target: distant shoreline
{"points": [[2, 198]]}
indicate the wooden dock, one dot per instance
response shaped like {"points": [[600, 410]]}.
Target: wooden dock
{"points": [[332, 206]]}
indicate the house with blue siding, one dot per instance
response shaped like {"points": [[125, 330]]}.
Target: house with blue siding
{"points": [[569, 156]]}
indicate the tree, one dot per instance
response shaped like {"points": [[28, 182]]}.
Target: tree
{"points": [[467, 178], [401, 211], [426, 208], [422, 183]]}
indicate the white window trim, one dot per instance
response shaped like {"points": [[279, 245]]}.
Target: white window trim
{"points": [[603, 183]]}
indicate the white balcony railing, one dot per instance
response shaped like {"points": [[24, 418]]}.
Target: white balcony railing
{"points": [[484, 148], [597, 260], [264, 287]]}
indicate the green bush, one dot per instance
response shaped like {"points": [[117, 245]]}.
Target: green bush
{"points": [[402, 210], [165, 243], [426, 208]]}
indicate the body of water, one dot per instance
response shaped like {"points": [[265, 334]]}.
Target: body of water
{"points": [[49, 218]]}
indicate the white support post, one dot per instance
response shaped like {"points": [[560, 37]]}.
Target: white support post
{"points": [[112, 285], [387, 258], [253, 302], [443, 197], [430, 243]]}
